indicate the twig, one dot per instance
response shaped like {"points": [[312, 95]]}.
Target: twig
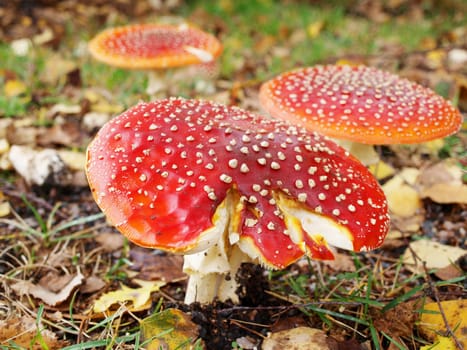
{"points": [[435, 294]]}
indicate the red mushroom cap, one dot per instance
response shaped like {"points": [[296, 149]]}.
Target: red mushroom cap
{"points": [[161, 170], [360, 104], [150, 46]]}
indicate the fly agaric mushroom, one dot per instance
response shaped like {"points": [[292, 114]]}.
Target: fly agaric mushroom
{"points": [[224, 186], [156, 47], [360, 105]]}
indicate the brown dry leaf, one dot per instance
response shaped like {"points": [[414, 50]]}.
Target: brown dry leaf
{"points": [[403, 199], [300, 338], [446, 171], [449, 272], [110, 241], [446, 193], [45, 294], [169, 329], [432, 323], [92, 284], [152, 265], [442, 182], [434, 254], [56, 70], [139, 297], [398, 321], [66, 134], [342, 262], [22, 330]]}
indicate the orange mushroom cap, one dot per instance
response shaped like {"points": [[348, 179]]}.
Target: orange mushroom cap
{"points": [[161, 170], [153, 46], [361, 104]]}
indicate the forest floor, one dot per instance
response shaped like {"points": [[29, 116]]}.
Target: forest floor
{"points": [[59, 258]]}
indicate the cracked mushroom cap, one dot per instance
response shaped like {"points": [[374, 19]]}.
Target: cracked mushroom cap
{"points": [[361, 104], [153, 46], [174, 174]]}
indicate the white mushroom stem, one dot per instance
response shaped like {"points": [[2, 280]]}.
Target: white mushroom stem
{"points": [[157, 82], [212, 274], [212, 271], [365, 153], [202, 76]]}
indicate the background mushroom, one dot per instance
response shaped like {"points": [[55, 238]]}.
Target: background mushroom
{"points": [[359, 106], [223, 186], [157, 47]]}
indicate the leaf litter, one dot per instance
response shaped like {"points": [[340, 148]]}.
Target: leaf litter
{"points": [[51, 278]]}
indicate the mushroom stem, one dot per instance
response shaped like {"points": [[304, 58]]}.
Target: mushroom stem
{"points": [[212, 271], [365, 153], [203, 286], [157, 82]]}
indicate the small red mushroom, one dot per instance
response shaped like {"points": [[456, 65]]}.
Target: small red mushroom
{"points": [[156, 47], [223, 186], [360, 104]]}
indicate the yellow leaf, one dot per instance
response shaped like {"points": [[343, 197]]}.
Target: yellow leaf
{"points": [[14, 88], [381, 170], [435, 255], [138, 296], [432, 323], [434, 146], [441, 343], [169, 329], [4, 209], [347, 62], [314, 29], [403, 199], [435, 58]]}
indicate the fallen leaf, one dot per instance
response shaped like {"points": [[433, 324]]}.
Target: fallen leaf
{"points": [[56, 69], [435, 58], [23, 332], [38, 167], [61, 108], [169, 329], [138, 296], [398, 321], [446, 193], [403, 199], [449, 272], [13, 88], [432, 322], [66, 134], [45, 294], [92, 284], [441, 343], [75, 161], [381, 170], [341, 262], [315, 28], [110, 241], [151, 265], [300, 338], [21, 47], [443, 172], [434, 254], [4, 209]]}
